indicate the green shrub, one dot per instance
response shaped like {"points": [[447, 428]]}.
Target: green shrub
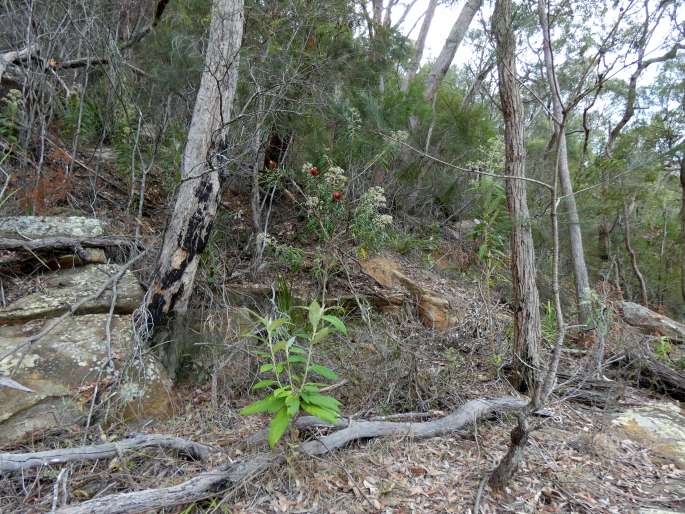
{"points": [[287, 360]]}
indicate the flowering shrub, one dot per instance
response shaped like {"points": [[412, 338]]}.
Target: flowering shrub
{"points": [[291, 257], [327, 213], [369, 226]]}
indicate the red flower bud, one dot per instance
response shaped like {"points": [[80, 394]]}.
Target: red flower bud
{"points": [[337, 195], [314, 171]]}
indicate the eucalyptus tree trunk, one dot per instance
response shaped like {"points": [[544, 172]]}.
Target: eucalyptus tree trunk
{"points": [[198, 194], [420, 45], [682, 226], [575, 234], [444, 60], [526, 299]]}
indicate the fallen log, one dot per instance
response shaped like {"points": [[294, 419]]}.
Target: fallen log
{"points": [[647, 370], [646, 319], [64, 243], [231, 475], [13, 462]]}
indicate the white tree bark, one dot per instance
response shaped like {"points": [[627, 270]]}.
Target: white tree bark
{"points": [[444, 60], [189, 226], [575, 234], [420, 45]]}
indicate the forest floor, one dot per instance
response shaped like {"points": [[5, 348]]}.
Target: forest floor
{"points": [[576, 461]]}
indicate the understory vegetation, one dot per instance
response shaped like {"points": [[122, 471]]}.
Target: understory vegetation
{"points": [[366, 255]]}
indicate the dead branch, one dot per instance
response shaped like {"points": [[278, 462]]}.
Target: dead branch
{"points": [[63, 243], [13, 462], [468, 413], [649, 371], [232, 475], [202, 486]]}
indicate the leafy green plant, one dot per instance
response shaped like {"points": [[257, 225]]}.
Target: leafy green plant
{"points": [[288, 361], [82, 115], [662, 348], [369, 226], [290, 256], [548, 323], [10, 111]]}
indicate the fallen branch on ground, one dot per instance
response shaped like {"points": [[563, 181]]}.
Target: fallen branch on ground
{"points": [[232, 475], [63, 243], [12, 462], [651, 372]]}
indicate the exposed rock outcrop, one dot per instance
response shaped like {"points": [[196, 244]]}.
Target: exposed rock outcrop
{"points": [[88, 356]]}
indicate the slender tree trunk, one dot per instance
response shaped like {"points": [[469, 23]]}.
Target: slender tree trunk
{"points": [[526, 299], [633, 256], [198, 194], [444, 60], [575, 234], [682, 227], [420, 45]]}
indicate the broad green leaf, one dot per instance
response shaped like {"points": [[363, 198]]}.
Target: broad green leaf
{"points": [[337, 323], [324, 372], [280, 345], [263, 383], [296, 358], [321, 335], [282, 392], [325, 401], [277, 427], [268, 404], [275, 324], [293, 405], [298, 349], [266, 367], [321, 413], [315, 312]]}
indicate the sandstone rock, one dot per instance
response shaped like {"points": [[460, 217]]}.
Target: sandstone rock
{"points": [[432, 308], [62, 369], [658, 425], [64, 288], [646, 319], [34, 227]]}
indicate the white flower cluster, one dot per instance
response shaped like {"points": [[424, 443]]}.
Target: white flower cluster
{"points": [[335, 177], [383, 220], [266, 239], [306, 167], [311, 202], [373, 201], [374, 198], [400, 135]]}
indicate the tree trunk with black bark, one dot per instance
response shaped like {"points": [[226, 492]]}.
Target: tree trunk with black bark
{"points": [[198, 194]]}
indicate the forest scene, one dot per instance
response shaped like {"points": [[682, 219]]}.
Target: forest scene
{"points": [[389, 256]]}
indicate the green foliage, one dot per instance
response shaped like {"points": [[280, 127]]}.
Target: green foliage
{"points": [[548, 323], [10, 112], [287, 361], [83, 106], [663, 348], [369, 227]]}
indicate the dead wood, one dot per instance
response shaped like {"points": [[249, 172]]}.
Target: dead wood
{"points": [[588, 390], [228, 476], [63, 243], [645, 367], [202, 486], [13, 462]]}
